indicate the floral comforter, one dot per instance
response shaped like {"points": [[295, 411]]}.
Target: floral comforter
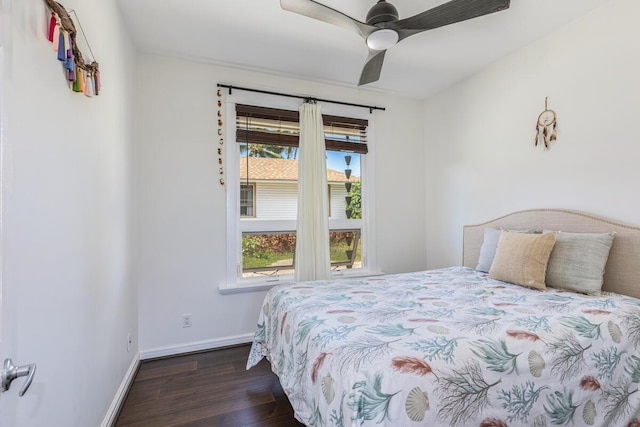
{"points": [[451, 347]]}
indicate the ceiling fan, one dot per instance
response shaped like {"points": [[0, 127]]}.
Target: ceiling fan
{"points": [[383, 28]]}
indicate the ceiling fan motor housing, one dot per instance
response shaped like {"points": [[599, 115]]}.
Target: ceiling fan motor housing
{"points": [[382, 12]]}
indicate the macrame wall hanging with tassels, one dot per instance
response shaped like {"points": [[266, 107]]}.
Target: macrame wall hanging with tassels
{"points": [[547, 126], [82, 76]]}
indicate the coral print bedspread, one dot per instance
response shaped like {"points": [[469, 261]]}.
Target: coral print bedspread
{"points": [[451, 347]]}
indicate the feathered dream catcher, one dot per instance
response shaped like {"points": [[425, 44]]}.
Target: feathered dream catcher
{"points": [[547, 126], [83, 77]]}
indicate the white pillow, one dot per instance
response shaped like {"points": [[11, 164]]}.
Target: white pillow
{"points": [[489, 245]]}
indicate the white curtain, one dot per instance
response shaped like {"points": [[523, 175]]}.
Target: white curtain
{"points": [[312, 238]]}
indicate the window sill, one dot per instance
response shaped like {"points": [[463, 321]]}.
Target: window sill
{"points": [[248, 287], [227, 289]]}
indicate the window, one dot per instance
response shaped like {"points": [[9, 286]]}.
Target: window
{"points": [[262, 226], [247, 200]]}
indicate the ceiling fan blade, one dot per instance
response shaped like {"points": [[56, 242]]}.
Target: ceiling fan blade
{"points": [[318, 11], [372, 67], [445, 14]]}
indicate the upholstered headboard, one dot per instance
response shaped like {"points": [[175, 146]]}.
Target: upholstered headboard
{"points": [[622, 272]]}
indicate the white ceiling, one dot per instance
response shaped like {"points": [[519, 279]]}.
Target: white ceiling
{"points": [[258, 34]]}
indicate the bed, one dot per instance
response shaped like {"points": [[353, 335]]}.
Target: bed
{"points": [[456, 347]]}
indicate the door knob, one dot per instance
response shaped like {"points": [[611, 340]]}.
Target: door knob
{"points": [[11, 372]]}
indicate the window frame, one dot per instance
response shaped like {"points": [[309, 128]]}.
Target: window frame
{"points": [[234, 282]]}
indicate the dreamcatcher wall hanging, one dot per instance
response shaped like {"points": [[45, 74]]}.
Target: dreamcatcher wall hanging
{"points": [[547, 126], [83, 77]]}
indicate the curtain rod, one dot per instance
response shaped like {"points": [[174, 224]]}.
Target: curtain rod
{"points": [[311, 98]]}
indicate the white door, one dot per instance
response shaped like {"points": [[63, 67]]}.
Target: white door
{"points": [[9, 399]]}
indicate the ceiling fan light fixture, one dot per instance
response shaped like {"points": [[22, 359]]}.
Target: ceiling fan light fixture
{"points": [[382, 39]]}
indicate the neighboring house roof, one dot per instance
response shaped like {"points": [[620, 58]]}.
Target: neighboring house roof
{"points": [[266, 169]]}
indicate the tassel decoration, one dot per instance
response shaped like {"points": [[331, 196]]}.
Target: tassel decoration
{"points": [[98, 82], [93, 84], [69, 63], [52, 26], [62, 52], [70, 59], [88, 86], [82, 78], [69, 45], [76, 82], [56, 37], [554, 133], [71, 73]]}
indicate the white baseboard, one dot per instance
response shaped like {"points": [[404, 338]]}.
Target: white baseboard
{"points": [[110, 418], [195, 346]]}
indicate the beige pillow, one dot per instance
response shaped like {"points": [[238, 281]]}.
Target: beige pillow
{"points": [[522, 259]]}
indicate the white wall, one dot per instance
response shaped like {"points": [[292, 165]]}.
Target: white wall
{"points": [[66, 177], [480, 156], [181, 206]]}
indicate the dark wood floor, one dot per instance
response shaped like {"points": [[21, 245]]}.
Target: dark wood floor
{"points": [[206, 389]]}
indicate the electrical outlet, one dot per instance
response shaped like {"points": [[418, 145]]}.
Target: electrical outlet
{"points": [[186, 320], [129, 342]]}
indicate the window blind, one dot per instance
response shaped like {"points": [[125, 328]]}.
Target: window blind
{"points": [[274, 126]]}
